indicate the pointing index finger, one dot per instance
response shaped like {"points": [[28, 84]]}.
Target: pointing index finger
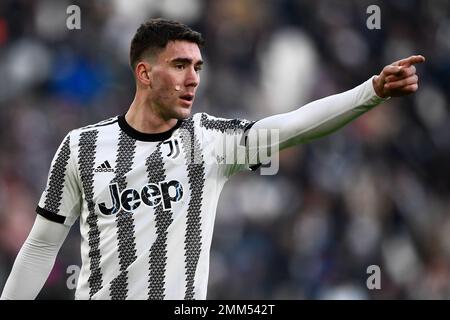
{"points": [[410, 61]]}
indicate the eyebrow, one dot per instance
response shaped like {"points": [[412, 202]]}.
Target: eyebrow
{"points": [[186, 61]]}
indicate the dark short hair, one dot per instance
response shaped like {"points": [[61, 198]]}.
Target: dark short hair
{"points": [[153, 36]]}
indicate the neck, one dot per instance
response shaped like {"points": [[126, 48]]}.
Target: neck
{"points": [[142, 117]]}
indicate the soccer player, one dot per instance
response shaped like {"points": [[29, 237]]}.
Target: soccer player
{"points": [[145, 184]]}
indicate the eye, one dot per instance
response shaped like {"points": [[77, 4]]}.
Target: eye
{"points": [[179, 66], [198, 69]]}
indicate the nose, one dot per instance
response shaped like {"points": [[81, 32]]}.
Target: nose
{"points": [[192, 78]]}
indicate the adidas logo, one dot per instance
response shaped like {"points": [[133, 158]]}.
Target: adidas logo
{"points": [[104, 167]]}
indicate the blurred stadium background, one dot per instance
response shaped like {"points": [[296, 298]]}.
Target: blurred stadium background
{"points": [[376, 192]]}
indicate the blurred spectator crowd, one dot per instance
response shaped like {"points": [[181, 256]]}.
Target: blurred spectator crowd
{"points": [[377, 192]]}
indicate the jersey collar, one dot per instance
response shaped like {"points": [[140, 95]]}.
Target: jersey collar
{"points": [[161, 136]]}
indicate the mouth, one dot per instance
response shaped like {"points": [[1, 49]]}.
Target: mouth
{"points": [[187, 98]]}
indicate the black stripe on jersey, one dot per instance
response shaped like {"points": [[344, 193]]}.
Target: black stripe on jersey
{"points": [[57, 177], [222, 125], [125, 222], [86, 158], [196, 174], [158, 258], [50, 215]]}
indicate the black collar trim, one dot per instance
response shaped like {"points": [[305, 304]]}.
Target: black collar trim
{"points": [[146, 136]]}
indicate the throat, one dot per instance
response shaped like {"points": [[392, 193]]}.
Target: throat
{"points": [[148, 122]]}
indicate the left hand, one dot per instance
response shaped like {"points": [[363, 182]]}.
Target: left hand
{"points": [[399, 78]]}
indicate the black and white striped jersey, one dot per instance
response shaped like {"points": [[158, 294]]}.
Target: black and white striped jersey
{"points": [[146, 204]]}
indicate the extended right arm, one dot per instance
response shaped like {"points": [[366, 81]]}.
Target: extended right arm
{"points": [[326, 115], [35, 260]]}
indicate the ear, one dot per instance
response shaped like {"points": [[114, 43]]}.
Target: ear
{"points": [[143, 73]]}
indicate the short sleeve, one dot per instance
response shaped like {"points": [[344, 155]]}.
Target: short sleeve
{"points": [[60, 201], [230, 139]]}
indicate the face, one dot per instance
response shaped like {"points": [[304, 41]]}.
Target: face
{"points": [[174, 78]]}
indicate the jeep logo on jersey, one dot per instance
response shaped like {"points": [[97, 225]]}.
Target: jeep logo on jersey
{"points": [[151, 194]]}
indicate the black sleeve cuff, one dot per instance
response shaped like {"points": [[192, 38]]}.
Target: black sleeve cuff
{"points": [[50, 215], [252, 167]]}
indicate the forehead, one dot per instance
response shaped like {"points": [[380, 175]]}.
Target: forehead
{"points": [[181, 49]]}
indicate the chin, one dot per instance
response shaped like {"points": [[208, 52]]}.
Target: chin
{"points": [[183, 113]]}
